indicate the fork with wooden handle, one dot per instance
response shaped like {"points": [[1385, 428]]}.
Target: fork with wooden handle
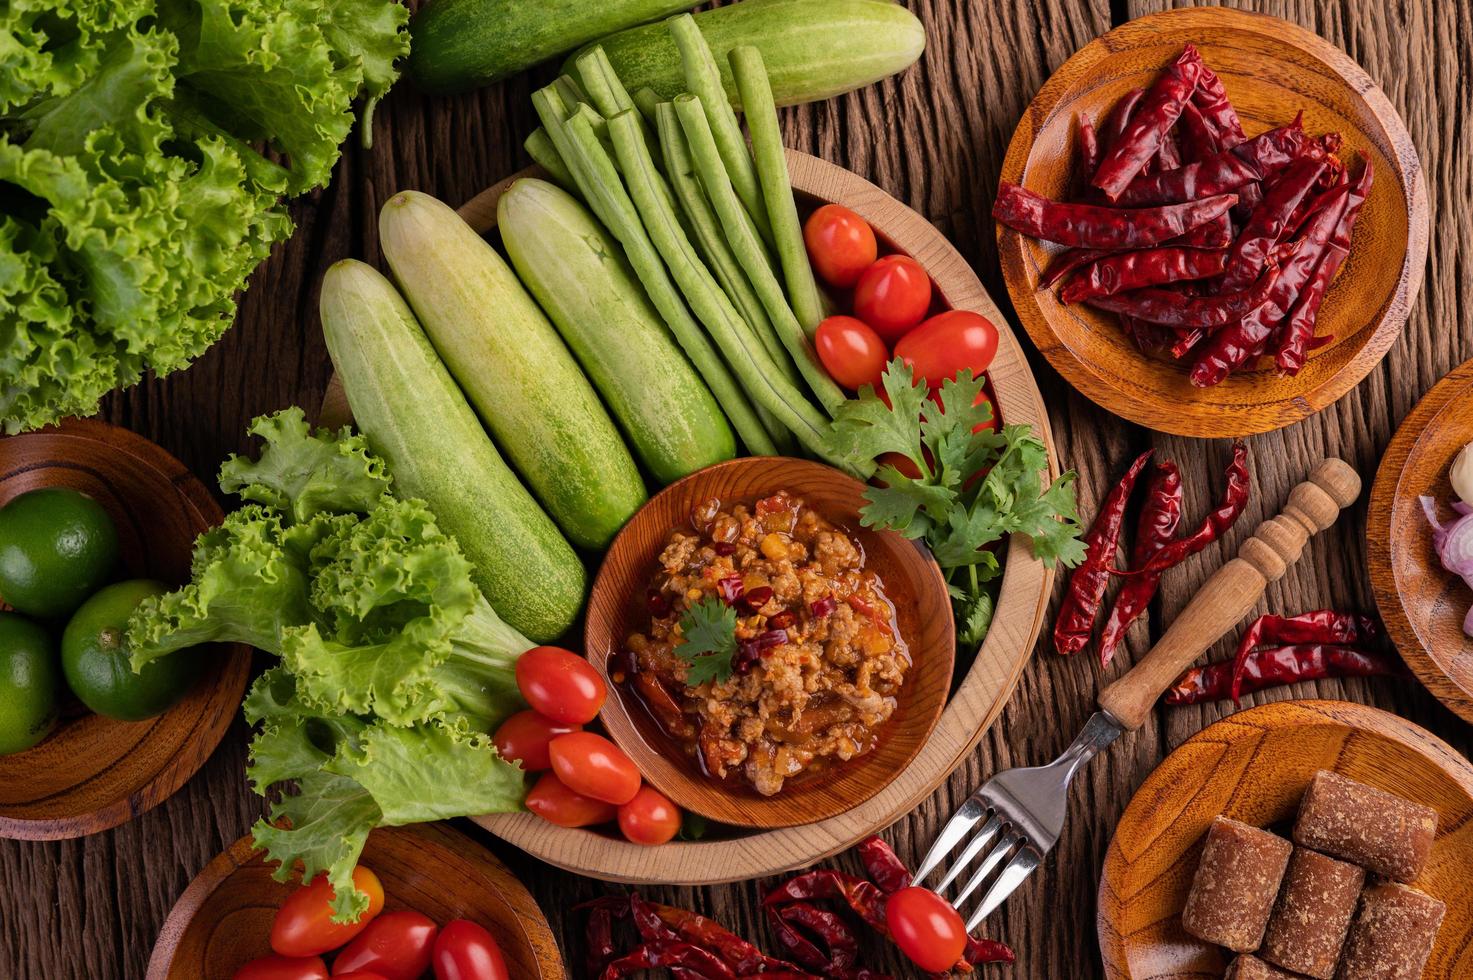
{"points": [[1021, 811]]}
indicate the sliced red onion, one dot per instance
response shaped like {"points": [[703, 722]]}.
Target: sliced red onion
{"points": [[729, 588], [822, 607], [1454, 545]]}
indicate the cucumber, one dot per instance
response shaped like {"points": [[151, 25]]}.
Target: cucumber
{"points": [[813, 49], [415, 417], [578, 273], [513, 367], [461, 44]]}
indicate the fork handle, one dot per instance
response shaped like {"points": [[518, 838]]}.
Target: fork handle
{"points": [[1234, 590]]}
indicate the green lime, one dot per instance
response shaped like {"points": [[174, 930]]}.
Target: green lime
{"points": [[29, 682], [57, 547], [94, 658]]}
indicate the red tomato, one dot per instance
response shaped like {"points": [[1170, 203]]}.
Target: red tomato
{"points": [[592, 766], [840, 243], [561, 685], [283, 968], [852, 353], [947, 343], [465, 951], [304, 926], [396, 946], [893, 296], [901, 462], [524, 736], [650, 818], [555, 803], [926, 928], [358, 975]]}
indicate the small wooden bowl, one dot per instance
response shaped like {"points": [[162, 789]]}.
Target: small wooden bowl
{"points": [[1271, 69], [1254, 767], [1422, 603], [93, 773], [910, 577], [980, 695], [223, 919]]}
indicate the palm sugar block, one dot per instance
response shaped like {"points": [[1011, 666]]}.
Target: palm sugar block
{"points": [[1383, 833], [1236, 884], [1248, 967], [1316, 904], [1393, 934]]}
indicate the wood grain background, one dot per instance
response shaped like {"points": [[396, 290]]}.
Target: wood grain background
{"points": [[934, 138]]}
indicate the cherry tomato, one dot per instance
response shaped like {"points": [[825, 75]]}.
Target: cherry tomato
{"points": [[840, 243], [304, 926], [555, 803], [561, 685], [396, 946], [901, 462], [926, 928], [650, 818], [283, 968], [465, 951], [591, 765], [892, 296], [358, 975], [852, 353], [524, 736], [947, 343]]}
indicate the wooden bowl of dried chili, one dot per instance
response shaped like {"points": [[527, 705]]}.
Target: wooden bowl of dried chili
{"points": [[1217, 264], [1254, 767], [773, 662]]}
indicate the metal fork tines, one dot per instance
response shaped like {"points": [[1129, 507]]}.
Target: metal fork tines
{"points": [[1011, 823]]}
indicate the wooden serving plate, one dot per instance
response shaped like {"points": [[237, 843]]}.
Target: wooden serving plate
{"points": [[1254, 766], [1422, 603], [982, 691], [93, 773], [1271, 69], [911, 580], [223, 919]]}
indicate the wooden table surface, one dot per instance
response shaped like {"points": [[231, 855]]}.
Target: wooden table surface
{"points": [[934, 138]]}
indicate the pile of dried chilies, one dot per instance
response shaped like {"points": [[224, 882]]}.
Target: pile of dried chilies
{"points": [[1277, 650], [1206, 243], [1156, 549], [822, 941]]}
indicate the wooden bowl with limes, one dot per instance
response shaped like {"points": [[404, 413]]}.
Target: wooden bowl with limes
{"points": [[92, 773]]}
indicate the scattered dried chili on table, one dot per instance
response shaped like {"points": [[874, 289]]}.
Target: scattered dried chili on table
{"points": [[1159, 519], [1234, 501], [882, 865], [1152, 121], [1093, 226], [1122, 271], [1087, 584], [1319, 626], [1178, 309], [1275, 666], [1253, 160]]}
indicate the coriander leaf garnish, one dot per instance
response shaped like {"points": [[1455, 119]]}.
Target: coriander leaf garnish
{"points": [[709, 631], [956, 513]]}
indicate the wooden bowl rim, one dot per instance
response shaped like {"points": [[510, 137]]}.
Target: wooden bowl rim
{"points": [[1206, 418], [1281, 715], [989, 682], [536, 932], [235, 662], [1383, 549], [707, 797]]}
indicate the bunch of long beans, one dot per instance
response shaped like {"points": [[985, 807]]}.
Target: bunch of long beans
{"points": [[710, 226]]}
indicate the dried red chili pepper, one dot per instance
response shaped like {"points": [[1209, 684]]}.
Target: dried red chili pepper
{"points": [[836, 948], [1158, 522], [1319, 626], [664, 922], [1088, 147], [1274, 666], [602, 913], [1217, 233], [1067, 261], [1168, 154], [1256, 159], [1086, 589], [1178, 309], [1199, 139], [1153, 118], [1092, 226], [1301, 325], [1118, 118], [1234, 500], [883, 866], [1136, 270], [1268, 222], [1230, 349], [986, 951], [687, 961], [1211, 99]]}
